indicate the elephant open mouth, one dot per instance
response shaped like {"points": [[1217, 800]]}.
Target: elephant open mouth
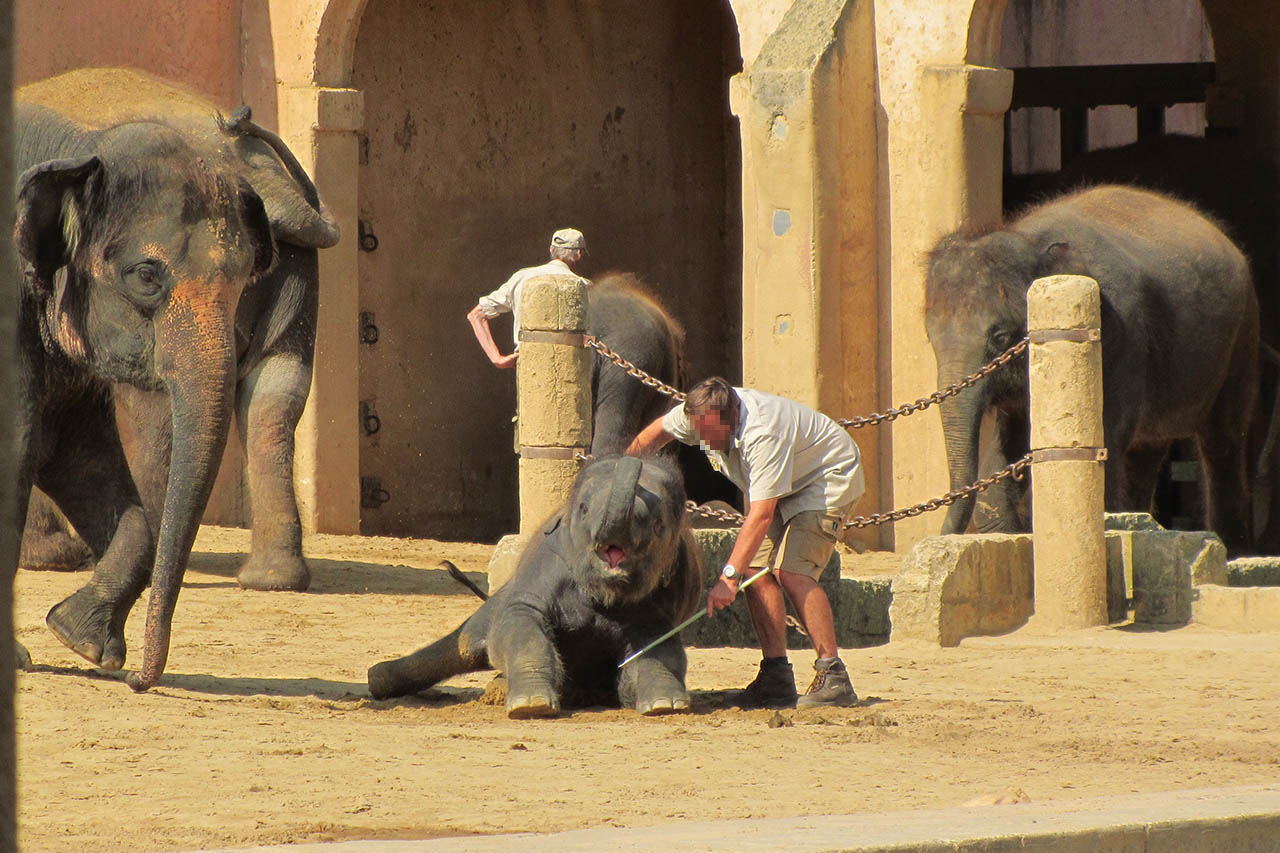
{"points": [[613, 556]]}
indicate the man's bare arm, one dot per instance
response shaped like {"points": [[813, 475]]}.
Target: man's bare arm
{"points": [[650, 440], [480, 326]]}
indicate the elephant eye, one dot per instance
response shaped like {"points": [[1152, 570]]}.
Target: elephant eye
{"points": [[145, 278], [582, 508]]}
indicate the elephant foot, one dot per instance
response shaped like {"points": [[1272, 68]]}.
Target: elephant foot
{"points": [[88, 626], [385, 681], [56, 551], [660, 705], [22, 658], [274, 573], [532, 707]]}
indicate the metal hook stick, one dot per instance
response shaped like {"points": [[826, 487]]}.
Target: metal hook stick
{"points": [[686, 623]]}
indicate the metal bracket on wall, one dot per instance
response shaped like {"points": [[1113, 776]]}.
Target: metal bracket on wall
{"points": [[1079, 336], [563, 453], [1069, 454], [368, 330], [369, 420], [368, 240], [372, 495]]}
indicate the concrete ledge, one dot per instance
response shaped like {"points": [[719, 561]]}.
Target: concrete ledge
{"points": [[1251, 609], [1254, 571], [1194, 821]]}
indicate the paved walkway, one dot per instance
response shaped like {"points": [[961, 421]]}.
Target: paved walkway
{"points": [[1204, 819]]}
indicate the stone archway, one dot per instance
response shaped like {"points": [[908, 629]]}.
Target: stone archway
{"points": [[680, 233]]}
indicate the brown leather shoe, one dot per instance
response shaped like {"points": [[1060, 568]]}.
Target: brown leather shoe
{"points": [[831, 686]]}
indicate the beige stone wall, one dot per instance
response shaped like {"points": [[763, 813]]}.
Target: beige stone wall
{"points": [[195, 43], [893, 137]]}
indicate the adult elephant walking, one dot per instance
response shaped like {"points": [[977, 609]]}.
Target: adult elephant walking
{"points": [[134, 248], [1179, 345], [275, 318]]}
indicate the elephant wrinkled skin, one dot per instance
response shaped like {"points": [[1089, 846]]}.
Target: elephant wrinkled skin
{"points": [[133, 253], [614, 569], [275, 317], [1179, 346]]}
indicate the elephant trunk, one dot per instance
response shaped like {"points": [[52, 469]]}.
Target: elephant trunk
{"points": [[195, 357], [615, 526], [961, 422]]}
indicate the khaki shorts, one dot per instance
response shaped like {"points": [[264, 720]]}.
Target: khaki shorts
{"points": [[802, 546]]}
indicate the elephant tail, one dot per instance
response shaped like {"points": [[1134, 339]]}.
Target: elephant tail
{"points": [[463, 650]]}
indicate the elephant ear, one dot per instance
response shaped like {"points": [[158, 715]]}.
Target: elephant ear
{"points": [[47, 224], [254, 215]]}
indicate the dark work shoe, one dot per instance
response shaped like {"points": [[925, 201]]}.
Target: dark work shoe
{"points": [[831, 686], [774, 686]]}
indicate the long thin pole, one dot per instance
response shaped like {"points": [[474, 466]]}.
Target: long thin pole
{"points": [[686, 623]]}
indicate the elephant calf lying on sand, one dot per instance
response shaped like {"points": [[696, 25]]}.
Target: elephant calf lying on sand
{"points": [[614, 569]]}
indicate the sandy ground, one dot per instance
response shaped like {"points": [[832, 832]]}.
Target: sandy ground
{"points": [[262, 730]]}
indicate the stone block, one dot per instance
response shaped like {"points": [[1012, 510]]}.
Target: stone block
{"points": [[1165, 566], [1253, 609], [952, 587], [1254, 571], [1131, 521], [502, 563], [862, 615], [732, 626], [1119, 574]]}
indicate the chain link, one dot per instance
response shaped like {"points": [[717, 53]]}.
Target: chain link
{"points": [[650, 381], [937, 396], [857, 422], [1014, 470]]}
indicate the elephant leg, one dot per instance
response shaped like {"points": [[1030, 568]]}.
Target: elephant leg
{"points": [[1004, 506], [463, 650], [653, 684], [269, 402], [521, 647], [88, 477], [1226, 487], [48, 543], [1142, 473]]}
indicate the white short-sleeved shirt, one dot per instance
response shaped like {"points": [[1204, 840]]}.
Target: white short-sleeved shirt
{"points": [[784, 450], [506, 299]]}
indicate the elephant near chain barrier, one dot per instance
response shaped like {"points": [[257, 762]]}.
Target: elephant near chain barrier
{"points": [[168, 280], [614, 568], [1179, 346]]}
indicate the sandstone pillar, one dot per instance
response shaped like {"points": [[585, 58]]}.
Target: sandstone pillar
{"points": [[1065, 372], [553, 395], [321, 125]]}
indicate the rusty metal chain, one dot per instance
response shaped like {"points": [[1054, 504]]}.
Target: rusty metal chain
{"points": [[1014, 470], [937, 396], [650, 381], [857, 422]]}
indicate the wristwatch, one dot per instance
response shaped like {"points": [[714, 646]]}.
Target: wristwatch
{"points": [[729, 572]]}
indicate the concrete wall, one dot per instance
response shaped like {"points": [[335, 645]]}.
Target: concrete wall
{"points": [[1098, 32], [195, 43], [487, 126], [898, 140]]}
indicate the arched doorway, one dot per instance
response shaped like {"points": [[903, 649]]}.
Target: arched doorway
{"points": [[488, 125]]}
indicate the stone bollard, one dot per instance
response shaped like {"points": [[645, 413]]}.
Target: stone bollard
{"points": [[1065, 376], [553, 395]]}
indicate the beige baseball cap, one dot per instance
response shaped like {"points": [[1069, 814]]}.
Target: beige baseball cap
{"points": [[568, 238]]}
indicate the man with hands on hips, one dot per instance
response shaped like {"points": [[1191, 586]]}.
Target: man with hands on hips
{"points": [[801, 474]]}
